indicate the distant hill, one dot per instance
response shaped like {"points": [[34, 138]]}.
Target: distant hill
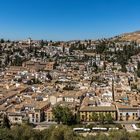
{"points": [[134, 36]]}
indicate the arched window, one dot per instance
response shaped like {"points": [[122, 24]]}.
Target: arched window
{"points": [[127, 116]]}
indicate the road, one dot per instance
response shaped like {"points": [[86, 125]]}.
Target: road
{"points": [[44, 125], [127, 125], [127, 122], [129, 128]]}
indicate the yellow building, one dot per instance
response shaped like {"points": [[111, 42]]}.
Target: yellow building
{"points": [[86, 112], [49, 115]]}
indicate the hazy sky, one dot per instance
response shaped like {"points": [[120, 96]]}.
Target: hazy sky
{"points": [[67, 19]]}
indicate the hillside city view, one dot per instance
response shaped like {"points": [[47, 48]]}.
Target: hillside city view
{"points": [[69, 74]]}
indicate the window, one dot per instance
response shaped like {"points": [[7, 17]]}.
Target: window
{"points": [[127, 116], [133, 117], [36, 115], [133, 114], [83, 117], [16, 119]]}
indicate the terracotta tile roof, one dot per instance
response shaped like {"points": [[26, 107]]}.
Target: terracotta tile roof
{"points": [[98, 108]]}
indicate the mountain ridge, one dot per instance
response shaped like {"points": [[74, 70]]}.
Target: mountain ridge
{"points": [[132, 36]]}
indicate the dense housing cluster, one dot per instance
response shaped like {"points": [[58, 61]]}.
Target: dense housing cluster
{"points": [[92, 79]]}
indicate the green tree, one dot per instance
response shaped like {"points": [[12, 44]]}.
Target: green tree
{"points": [[42, 43], [68, 135], [25, 132], [6, 122], [123, 69], [138, 65], [95, 66], [77, 118], [58, 112], [101, 48], [138, 69], [5, 134], [57, 134], [17, 61], [64, 115], [101, 136], [95, 117], [67, 117], [119, 135], [138, 73], [108, 118], [2, 40], [62, 132], [47, 133], [63, 49], [101, 118]]}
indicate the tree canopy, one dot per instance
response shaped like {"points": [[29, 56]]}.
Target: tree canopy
{"points": [[63, 115]]}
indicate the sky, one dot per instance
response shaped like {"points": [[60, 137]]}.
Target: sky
{"points": [[67, 19]]}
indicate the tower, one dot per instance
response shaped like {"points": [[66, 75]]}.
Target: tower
{"points": [[29, 41]]}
